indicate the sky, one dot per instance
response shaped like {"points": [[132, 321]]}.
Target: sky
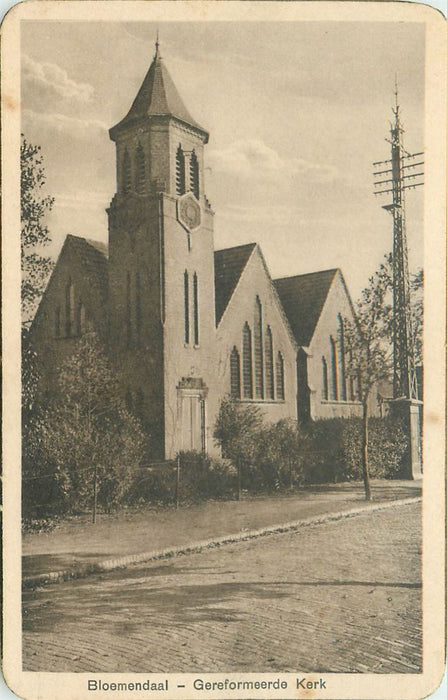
{"points": [[297, 113]]}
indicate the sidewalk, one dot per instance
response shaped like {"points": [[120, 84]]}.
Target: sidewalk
{"points": [[78, 547]]}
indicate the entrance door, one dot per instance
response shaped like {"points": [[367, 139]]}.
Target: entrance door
{"points": [[193, 422]]}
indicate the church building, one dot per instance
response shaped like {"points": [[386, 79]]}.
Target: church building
{"points": [[185, 325]]}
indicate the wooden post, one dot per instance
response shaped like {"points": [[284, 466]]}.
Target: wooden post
{"points": [[177, 486], [95, 492]]}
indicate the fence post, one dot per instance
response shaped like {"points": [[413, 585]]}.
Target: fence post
{"points": [[177, 485]]}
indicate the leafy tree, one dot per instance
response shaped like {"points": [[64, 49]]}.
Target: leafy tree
{"points": [[370, 339], [369, 349], [87, 445], [236, 430], [34, 233]]}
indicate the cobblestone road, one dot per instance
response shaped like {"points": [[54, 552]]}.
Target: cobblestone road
{"points": [[343, 596]]}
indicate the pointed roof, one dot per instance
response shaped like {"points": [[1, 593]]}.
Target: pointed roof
{"points": [[229, 265], [157, 97], [303, 298]]}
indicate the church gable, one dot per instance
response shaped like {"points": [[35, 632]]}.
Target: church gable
{"points": [[75, 299], [256, 350]]}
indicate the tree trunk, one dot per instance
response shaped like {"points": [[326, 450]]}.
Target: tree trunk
{"points": [[239, 480], [365, 469], [95, 493]]}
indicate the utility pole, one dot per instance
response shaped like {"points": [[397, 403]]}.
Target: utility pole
{"points": [[403, 171]]}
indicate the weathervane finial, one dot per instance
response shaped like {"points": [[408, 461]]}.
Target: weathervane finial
{"points": [[157, 45]]}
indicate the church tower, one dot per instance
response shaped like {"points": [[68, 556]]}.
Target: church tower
{"points": [[161, 267]]}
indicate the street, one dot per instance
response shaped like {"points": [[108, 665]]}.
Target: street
{"points": [[341, 596]]}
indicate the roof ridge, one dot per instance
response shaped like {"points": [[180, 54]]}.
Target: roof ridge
{"points": [[307, 274]]}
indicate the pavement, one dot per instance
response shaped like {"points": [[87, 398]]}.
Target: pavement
{"points": [[341, 596], [78, 548]]}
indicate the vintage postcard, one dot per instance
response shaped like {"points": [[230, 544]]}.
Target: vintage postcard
{"points": [[224, 344]]}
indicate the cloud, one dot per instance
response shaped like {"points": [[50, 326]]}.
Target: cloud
{"points": [[252, 158], [75, 127], [50, 80]]}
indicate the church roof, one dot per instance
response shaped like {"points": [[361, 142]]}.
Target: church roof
{"points": [[93, 255], [303, 297], [229, 264], [158, 97]]}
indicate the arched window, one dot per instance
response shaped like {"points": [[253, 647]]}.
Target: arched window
{"points": [[139, 404], [138, 306], [57, 322], [334, 370], [247, 363], [69, 309], [325, 379], [140, 170], [196, 308], [127, 172], [81, 320], [258, 351], [280, 395], [179, 171], [194, 175], [128, 311], [235, 374], [269, 381], [341, 359], [186, 304]]}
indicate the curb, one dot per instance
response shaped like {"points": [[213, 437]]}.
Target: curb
{"points": [[82, 570]]}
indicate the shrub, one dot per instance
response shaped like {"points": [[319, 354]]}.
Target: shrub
{"points": [[335, 452], [280, 456]]}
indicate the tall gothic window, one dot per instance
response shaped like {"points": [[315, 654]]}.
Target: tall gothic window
{"points": [[140, 170], [81, 320], [69, 309], [139, 404], [128, 311], [127, 172], [186, 304], [235, 374], [57, 322], [334, 370], [280, 377], [269, 382], [247, 363], [341, 359], [194, 175], [325, 379], [180, 171], [196, 308], [138, 314], [258, 351]]}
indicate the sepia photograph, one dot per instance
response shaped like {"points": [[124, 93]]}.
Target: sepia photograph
{"points": [[230, 401]]}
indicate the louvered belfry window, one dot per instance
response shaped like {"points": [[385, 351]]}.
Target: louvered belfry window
{"points": [[247, 363], [194, 175], [235, 374], [141, 170], [180, 171], [280, 377], [259, 359], [269, 382], [127, 173]]}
